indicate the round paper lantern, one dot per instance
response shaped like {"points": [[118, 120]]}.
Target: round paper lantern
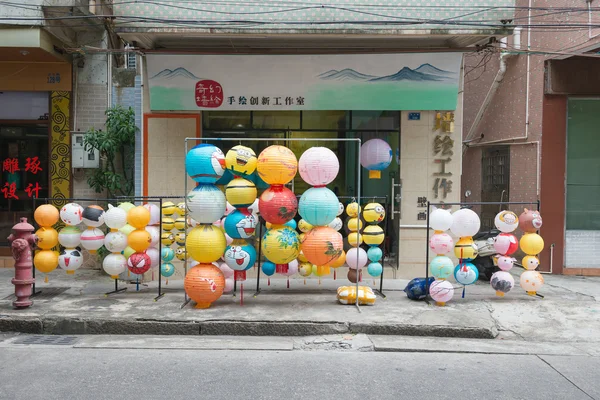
{"points": [[336, 224], [69, 237], [277, 165], [323, 245], [531, 282], [154, 232], [293, 224], [240, 224], [154, 213], [356, 258], [46, 215], [45, 261], [375, 156], [341, 260], [506, 221], [305, 269], [167, 254], [206, 204], [531, 262], [280, 245], [206, 243], [318, 206], [127, 229], [465, 222], [355, 239], [180, 224], [375, 269], [318, 166], [374, 254], [268, 268], [126, 206], [466, 249], [240, 192], [92, 239], [229, 285], [154, 255], [502, 282], [440, 220], [506, 244], [167, 269], [180, 208], [70, 260], [227, 272], [205, 163], [115, 217], [441, 292], [441, 243], [354, 224], [341, 209], [71, 214], [532, 243], [167, 238], [304, 226], [168, 208], [139, 263], [441, 267], [278, 205], [115, 242], [114, 264], [128, 252], [180, 253], [93, 216], [47, 238], [374, 235], [241, 160], [180, 238], [466, 273], [204, 284], [292, 268], [352, 210], [505, 263], [530, 221], [139, 240], [138, 217], [167, 224], [374, 213], [301, 257], [354, 275]]}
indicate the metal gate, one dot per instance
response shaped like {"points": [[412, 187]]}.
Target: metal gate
{"points": [[495, 182]]}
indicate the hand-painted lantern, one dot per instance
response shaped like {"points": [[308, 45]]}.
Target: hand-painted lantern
{"points": [[241, 160], [70, 260], [204, 284], [71, 214], [375, 156], [204, 163], [322, 246], [441, 292], [93, 216]]}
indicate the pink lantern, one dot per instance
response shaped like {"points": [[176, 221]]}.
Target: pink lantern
{"points": [[375, 155], [318, 166], [228, 285], [505, 263], [441, 291], [228, 272], [154, 255], [506, 244], [354, 262], [154, 213], [292, 268], [441, 243]]}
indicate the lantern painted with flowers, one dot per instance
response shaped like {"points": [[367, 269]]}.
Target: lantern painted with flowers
{"points": [[375, 156]]}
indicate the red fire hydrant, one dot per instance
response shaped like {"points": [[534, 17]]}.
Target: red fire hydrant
{"points": [[22, 242]]}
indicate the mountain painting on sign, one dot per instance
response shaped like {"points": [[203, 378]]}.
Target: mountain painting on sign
{"points": [[304, 82]]}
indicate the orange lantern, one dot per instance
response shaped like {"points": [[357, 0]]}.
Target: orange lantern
{"points": [[47, 238], [46, 215], [204, 284], [139, 240], [138, 217], [339, 262], [323, 245]]}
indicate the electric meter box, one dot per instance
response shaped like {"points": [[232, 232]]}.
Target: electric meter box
{"points": [[80, 157]]}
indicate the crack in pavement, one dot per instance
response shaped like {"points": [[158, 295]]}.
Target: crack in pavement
{"points": [[497, 323], [567, 379]]}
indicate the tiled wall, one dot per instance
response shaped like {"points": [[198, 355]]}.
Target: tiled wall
{"points": [[582, 248]]}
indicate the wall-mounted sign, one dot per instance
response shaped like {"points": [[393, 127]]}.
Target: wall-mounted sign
{"points": [[35, 76], [304, 82]]}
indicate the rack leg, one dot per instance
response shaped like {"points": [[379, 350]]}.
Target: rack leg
{"points": [[117, 290]]}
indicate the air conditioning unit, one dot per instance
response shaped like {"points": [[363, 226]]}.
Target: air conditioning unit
{"points": [[81, 158]]}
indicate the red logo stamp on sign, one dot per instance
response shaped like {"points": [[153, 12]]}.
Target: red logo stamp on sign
{"points": [[208, 94]]}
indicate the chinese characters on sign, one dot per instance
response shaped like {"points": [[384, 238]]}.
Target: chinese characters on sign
{"points": [[265, 101], [11, 166], [443, 145], [208, 94], [422, 202]]}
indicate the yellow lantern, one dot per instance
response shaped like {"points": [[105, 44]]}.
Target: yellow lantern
{"points": [[304, 226], [47, 238], [240, 192], [355, 239], [139, 240], [241, 160], [532, 244], [301, 257], [127, 229], [280, 245], [168, 208], [354, 224], [339, 262], [277, 165], [374, 213], [167, 238], [180, 224], [206, 243], [465, 248], [46, 261], [352, 210], [168, 224], [46, 215], [138, 217], [374, 235]]}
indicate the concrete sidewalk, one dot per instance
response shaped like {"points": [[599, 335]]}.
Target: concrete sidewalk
{"points": [[569, 311]]}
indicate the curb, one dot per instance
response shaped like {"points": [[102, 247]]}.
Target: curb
{"points": [[81, 326]]}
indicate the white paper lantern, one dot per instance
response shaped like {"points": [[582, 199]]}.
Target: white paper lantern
{"points": [[440, 220], [441, 291], [292, 268], [228, 285], [154, 232], [154, 255], [254, 209], [92, 239], [318, 166], [154, 213], [69, 237], [206, 204], [375, 156], [115, 217], [228, 272], [351, 258], [465, 223], [506, 221], [114, 264], [70, 260], [71, 214], [336, 224], [115, 242]]}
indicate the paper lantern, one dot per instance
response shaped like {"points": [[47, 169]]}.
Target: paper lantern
{"points": [[204, 284], [318, 166], [139, 240], [292, 268], [354, 275], [154, 213], [532, 244], [341, 209], [139, 263], [506, 244], [254, 208], [301, 257], [292, 224], [71, 214], [180, 209], [115, 242], [154, 255], [355, 239], [128, 252], [229, 285], [241, 160], [304, 226], [466, 273], [336, 224], [93, 216], [356, 258], [441, 292], [180, 224], [375, 269], [280, 245], [168, 208], [375, 156], [167, 238], [441, 243], [323, 245], [167, 254], [70, 260], [341, 260], [92, 239], [440, 220], [154, 232], [114, 264], [227, 272], [268, 268], [374, 254], [502, 282], [167, 269], [127, 229], [138, 217], [46, 215], [168, 224], [506, 221], [373, 235], [321, 270], [505, 263], [47, 238], [115, 217], [531, 282], [205, 163], [530, 221], [374, 213], [206, 243], [305, 269], [180, 253], [240, 224], [277, 165], [465, 222], [466, 249], [352, 209], [441, 267], [530, 262], [278, 205], [240, 192], [354, 224], [318, 206], [180, 238], [69, 237], [206, 204], [45, 261]]}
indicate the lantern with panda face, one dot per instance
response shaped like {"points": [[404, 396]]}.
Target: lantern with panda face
{"points": [[70, 259]]}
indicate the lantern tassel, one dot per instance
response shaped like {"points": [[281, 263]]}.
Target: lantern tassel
{"points": [[463, 293], [334, 274], [152, 274], [242, 294], [268, 281], [288, 282], [45, 278], [319, 281], [137, 284], [304, 281], [167, 282]]}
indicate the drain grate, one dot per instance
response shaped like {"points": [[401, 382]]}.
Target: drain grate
{"points": [[47, 339], [44, 293]]}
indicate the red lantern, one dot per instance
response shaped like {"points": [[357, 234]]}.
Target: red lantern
{"points": [[278, 205], [204, 283], [323, 245], [139, 263]]}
